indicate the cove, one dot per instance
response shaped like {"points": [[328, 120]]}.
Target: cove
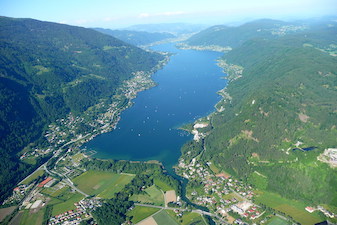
{"points": [[186, 90]]}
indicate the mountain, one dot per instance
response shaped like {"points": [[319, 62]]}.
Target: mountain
{"points": [[48, 70], [173, 28], [136, 37], [224, 36], [278, 115]]}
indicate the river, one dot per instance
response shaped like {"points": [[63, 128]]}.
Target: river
{"points": [[186, 90]]}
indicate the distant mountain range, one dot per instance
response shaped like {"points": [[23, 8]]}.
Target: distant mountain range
{"points": [[136, 37], [173, 28], [227, 36]]}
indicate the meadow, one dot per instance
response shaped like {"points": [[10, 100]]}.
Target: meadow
{"points": [[139, 213], [152, 195], [292, 208], [101, 183], [163, 218]]}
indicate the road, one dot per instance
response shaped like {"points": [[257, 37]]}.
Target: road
{"points": [[181, 209]]}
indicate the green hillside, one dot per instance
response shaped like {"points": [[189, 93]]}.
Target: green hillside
{"points": [[136, 37], [284, 102], [222, 35], [48, 70]]}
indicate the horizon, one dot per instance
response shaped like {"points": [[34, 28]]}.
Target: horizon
{"points": [[117, 15]]}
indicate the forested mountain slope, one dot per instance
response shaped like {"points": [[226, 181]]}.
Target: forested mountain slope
{"points": [[136, 37], [227, 36], [281, 115], [48, 70]]}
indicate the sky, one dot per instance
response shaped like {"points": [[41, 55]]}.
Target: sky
{"points": [[123, 13]]}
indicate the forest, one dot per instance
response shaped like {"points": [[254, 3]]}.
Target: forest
{"points": [[48, 70], [285, 97]]}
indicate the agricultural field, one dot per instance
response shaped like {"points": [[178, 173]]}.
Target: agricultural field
{"points": [[187, 218], [139, 213], [163, 218], [63, 200], [152, 195], [101, 183], [33, 177], [292, 208], [170, 196], [32, 218], [277, 221], [6, 211], [67, 205]]}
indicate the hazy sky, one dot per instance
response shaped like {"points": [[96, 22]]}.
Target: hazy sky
{"points": [[121, 13]]}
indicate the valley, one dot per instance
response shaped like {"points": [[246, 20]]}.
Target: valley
{"points": [[263, 149]]}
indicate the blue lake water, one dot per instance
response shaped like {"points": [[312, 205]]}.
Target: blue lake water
{"points": [[186, 91]]}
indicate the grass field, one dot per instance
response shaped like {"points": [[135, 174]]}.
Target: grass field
{"points": [[293, 208], [232, 195], [214, 168], [277, 221], [78, 157], [63, 200], [163, 218], [33, 177], [162, 185], [189, 218], [67, 205], [152, 195], [101, 183], [29, 218], [258, 181], [139, 213]]}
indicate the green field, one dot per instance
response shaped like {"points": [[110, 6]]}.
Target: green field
{"points": [[29, 218], [258, 181], [162, 185], [139, 213], [232, 195], [63, 200], [187, 218], [35, 175], [101, 183], [214, 168], [163, 218], [78, 157], [67, 205], [292, 208], [277, 221], [152, 195]]}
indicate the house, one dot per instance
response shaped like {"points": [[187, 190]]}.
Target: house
{"points": [[310, 209]]}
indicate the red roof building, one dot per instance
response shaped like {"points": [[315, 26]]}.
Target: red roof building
{"points": [[45, 181]]}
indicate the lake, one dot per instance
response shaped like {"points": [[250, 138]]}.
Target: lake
{"points": [[186, 90]]}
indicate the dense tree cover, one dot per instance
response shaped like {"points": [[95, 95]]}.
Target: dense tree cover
{"points": [[169, 180], [119, 166], [113, 211], [287, 94], [136, 37], [48, 70]]}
